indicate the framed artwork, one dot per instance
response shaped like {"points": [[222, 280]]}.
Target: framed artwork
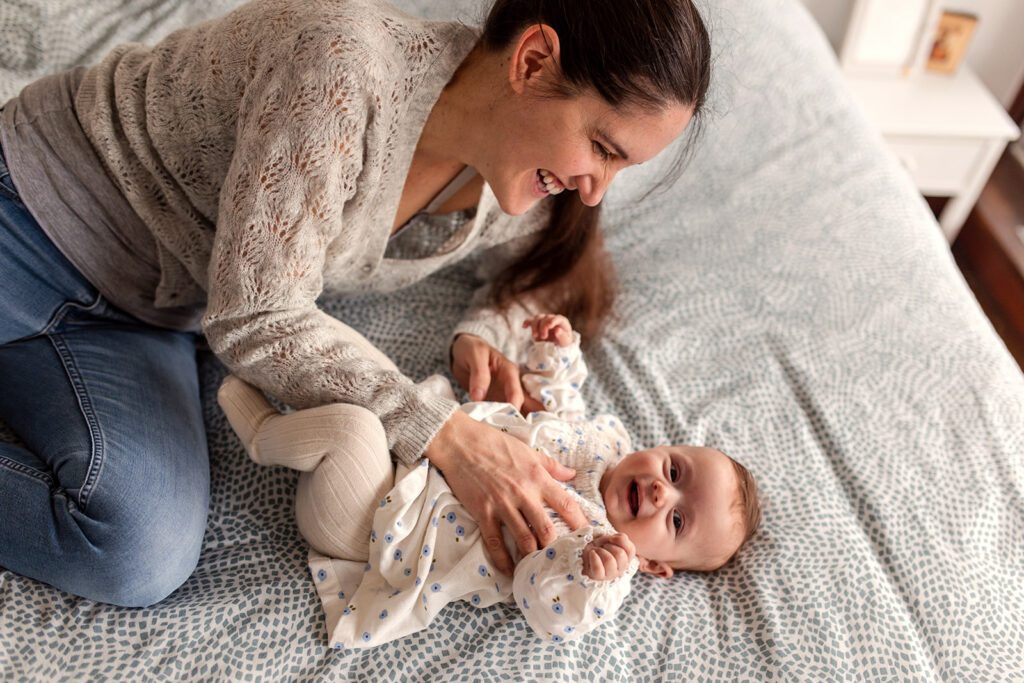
{"points": [[952, 36], [889, 37]]}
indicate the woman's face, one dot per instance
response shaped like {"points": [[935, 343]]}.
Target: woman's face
{"points": [[579, 144]]}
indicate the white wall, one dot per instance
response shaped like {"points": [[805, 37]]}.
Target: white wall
{"points": [[996, 52]]}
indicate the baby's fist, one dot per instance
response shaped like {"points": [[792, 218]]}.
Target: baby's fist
{"points": [[608, 557], [550, 327]]}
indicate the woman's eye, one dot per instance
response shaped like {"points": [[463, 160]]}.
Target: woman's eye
{"points": [[673, 473], [601, 151], [677, 520]]}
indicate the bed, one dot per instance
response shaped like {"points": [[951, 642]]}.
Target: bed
{"points": [[790, 300]]}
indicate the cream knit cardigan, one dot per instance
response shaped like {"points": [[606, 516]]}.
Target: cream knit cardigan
{"points": [[266, 151]]}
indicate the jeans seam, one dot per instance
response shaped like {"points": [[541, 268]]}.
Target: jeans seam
{"points": [[58, 315], [7, 188], [8, 193], [85, 405], [21, 468]]}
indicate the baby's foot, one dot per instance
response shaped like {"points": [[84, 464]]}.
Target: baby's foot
{"points": [[246, 409]]}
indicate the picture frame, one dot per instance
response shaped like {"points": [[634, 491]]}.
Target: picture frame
{"points": [[890, 38], [950, 40]]}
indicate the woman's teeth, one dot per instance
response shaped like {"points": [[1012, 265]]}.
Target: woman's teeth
{"points": [[550, 182]]}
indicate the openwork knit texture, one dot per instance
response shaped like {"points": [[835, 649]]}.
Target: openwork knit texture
{"points": [[262, 149], [265, 152], [289, 101], [789, 301]]}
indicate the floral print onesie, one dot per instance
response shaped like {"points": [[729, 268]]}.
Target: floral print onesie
{"points": [[426, 551]]}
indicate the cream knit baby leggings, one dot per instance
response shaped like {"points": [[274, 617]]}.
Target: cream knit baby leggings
{"points": [[340, 449]]}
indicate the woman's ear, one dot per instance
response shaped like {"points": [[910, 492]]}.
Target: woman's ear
{"points": [[656, 567], [534, 58]]}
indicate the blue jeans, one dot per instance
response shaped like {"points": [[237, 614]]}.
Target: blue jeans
{"points": [[108, 499]]}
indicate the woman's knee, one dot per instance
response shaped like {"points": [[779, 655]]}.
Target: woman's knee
{"points": [[149, 550], [148, 578], [148, 566]]}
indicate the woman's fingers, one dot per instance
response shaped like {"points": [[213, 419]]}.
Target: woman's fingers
{"points": [[513, 386], [471, 364], [542, 531], [562, 502], [494, 545], [557, 469], [479, 372], [524, 537], [531, 405]]}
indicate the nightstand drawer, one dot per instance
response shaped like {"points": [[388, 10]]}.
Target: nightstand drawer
{"points": [[938, 167]]}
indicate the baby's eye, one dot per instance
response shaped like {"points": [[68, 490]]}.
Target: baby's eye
{"points": [[601, 151], [673, 473], [677, 520]]}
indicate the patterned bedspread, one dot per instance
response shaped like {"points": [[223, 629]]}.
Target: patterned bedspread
{"points": [[789, 300]]}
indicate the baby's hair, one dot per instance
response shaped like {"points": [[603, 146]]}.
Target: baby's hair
{"points": [[747, 503]]}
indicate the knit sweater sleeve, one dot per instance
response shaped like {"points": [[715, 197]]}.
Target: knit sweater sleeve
{"points": [[298, 153]]}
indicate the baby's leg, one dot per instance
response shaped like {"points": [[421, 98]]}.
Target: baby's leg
{"points": [[343, 452]]}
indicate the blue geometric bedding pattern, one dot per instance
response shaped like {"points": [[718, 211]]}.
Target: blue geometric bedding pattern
{"points": [[789, 300]]}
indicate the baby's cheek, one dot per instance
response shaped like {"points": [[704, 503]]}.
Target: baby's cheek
{"points": [[645, 545]]}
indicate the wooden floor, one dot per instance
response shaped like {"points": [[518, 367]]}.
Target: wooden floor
{"points": [[990, 253]]}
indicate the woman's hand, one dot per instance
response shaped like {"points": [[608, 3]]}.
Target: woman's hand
{"points": [[502, 481], [487, 374], [608, 557]]}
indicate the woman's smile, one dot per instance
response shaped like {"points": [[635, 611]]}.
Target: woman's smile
{"points": [[546, 183]]}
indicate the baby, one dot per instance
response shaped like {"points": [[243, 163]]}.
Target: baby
{"points": [[391, 549]]}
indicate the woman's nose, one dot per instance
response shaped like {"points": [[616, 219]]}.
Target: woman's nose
{"points": [[592, 189]]}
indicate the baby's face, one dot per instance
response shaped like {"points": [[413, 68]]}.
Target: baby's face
{"points": [[676, 504]]}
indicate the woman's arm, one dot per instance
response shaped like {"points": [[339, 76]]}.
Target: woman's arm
{"points": [[296, 162], [297, 156]]}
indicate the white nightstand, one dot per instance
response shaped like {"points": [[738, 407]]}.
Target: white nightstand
{"points": [[948, 131]]}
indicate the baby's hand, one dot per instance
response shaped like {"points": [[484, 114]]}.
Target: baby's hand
{"points": [[608, 557], [550, 327]]}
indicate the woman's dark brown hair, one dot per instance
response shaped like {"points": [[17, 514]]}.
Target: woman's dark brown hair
{"points": [[648, 54]]}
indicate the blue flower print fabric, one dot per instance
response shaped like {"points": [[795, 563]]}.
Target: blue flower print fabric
{"points": [[426, 551]]}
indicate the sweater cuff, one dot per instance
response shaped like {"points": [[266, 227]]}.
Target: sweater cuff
{"points": [[419, 427]]}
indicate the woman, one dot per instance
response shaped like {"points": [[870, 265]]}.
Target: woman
{"points": [[224, 179]]}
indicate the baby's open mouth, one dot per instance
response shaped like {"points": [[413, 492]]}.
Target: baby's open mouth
{"points": [[634, 498]]}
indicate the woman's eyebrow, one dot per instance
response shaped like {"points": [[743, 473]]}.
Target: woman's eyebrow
{"points": [[611, 143]]}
